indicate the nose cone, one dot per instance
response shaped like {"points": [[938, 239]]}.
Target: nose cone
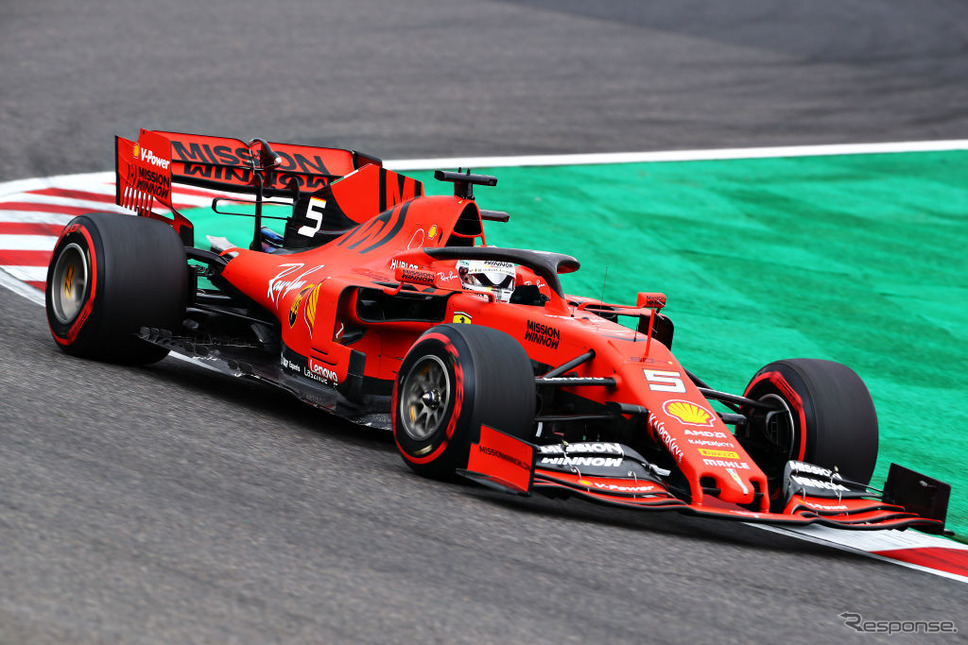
{"points": [[737, 487], [739, 481]]}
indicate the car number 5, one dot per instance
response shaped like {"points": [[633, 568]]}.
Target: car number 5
{"points": [[664, 381], [315, 214]]}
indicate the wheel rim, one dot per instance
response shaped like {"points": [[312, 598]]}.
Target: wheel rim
{"points": [[69, 283], [779, 426], [425, 398]]}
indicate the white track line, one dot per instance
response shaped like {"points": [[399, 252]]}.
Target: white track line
{"points": [[60, 181], [27, 274], [17, 286], [680, 155], [84, 181], [56, 200], [34, 217], [28, 242]]}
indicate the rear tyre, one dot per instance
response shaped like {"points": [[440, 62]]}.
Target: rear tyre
{"points": [[827, 418], [453, 379], [109, 276]]}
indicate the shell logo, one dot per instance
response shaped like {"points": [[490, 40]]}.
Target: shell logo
{"points": [[689, 413], [136, 151]]}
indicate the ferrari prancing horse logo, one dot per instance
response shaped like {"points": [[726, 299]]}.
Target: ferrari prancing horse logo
{"points": [[294, 309]]}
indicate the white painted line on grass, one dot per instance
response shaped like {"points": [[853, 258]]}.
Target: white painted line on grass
{"points": [[679, 155], [84, 181]]}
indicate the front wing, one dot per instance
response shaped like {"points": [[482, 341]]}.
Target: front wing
{"points": [[600, 473]]}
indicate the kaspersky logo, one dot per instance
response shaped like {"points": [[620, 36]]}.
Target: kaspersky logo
{"points": [[149, 157]]}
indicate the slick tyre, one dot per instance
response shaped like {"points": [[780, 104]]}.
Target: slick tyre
{"points": [[826, 418], [109, 276], [453, 379]]}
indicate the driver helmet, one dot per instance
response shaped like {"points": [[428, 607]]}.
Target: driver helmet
{"points": [[487, 276]]}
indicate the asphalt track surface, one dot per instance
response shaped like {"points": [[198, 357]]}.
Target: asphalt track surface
{"points": [[166, 505]]}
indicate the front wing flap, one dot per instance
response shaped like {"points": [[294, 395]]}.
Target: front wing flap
{"points": [[614, 474]]}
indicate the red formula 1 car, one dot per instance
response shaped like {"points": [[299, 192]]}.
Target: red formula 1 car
{"points": [[385, 307]]}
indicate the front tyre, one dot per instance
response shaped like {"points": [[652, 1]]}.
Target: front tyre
{"points": [[453, 379], [110, 275], [825, 416]]}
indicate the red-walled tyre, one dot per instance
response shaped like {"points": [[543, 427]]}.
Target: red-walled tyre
{"points": [[109, 276], [453, 379], [827, 418]]}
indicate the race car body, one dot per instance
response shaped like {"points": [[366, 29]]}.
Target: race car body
{"points": [[386, 306]]}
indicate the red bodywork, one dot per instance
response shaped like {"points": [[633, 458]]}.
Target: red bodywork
{"points": [[315, 295]]}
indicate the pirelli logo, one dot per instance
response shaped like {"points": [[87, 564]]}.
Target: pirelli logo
{"points": [[718, 454]]}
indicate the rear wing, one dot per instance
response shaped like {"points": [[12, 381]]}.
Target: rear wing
{"points": [[146, 169], [230, 164]]}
